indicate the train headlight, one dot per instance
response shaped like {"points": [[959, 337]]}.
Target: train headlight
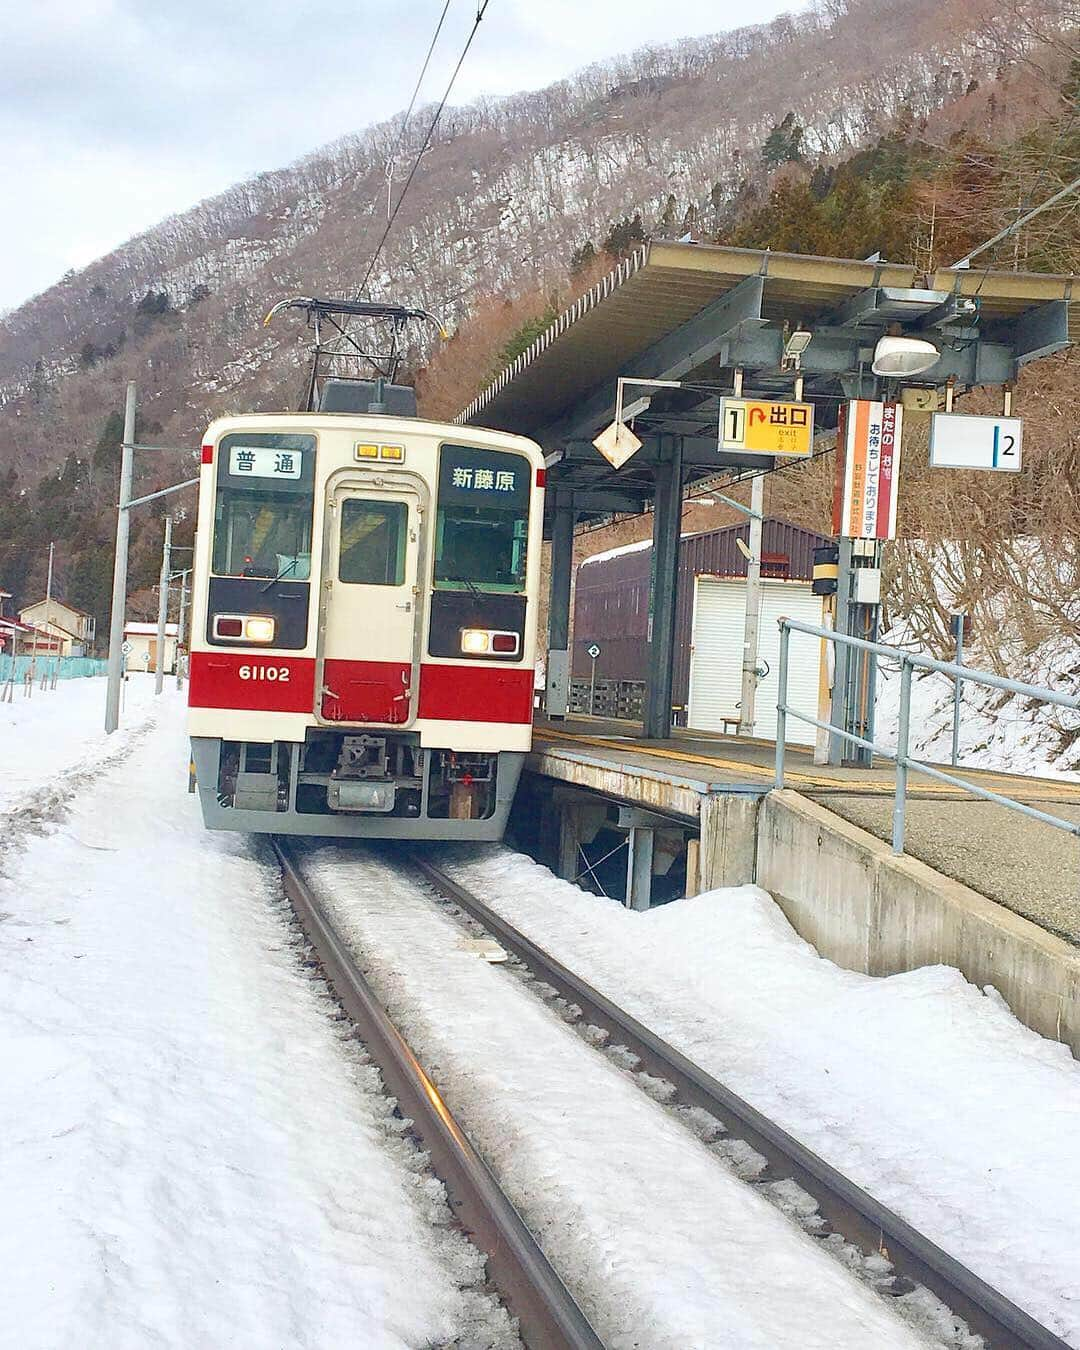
{"points": [[259, 628], [489, 642], [245, 627], [475, 641]]}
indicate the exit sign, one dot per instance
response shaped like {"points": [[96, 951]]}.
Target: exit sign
{"points": [[766, 428]]}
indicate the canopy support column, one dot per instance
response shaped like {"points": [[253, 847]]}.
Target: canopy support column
{"points": [[663, 583], [562, 571]]}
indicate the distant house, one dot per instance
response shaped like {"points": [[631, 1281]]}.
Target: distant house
{"points": [[142, 638], [64, 630]]}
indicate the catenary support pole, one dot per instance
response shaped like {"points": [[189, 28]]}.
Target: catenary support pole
{"points": [[163, 607], [667, 518], [747, 711], [181, 641], [562, 569], [120, 561]]}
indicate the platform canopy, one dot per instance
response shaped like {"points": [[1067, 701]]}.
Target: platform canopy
{"points": [[696, 313]]}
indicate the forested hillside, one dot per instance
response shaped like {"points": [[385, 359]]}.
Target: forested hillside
{"points": [[914, 128]]}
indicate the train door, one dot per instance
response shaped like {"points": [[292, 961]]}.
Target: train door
{"points": [[368, 659]]}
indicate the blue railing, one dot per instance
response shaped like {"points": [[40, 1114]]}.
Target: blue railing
{"points": [[15, 668], [907, 662]]}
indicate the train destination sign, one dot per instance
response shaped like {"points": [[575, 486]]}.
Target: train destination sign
{"points": [[259, 461], [867, 469], [766, 428], [964, 441], [470, 476]]}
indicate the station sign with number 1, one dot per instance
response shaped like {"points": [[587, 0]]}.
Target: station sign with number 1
{"points": [[964, 441], [760, 427]]}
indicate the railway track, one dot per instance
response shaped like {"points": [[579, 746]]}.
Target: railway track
{"points": [[548, 1317], [847, 1208]]}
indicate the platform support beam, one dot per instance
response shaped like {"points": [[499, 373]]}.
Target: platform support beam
{"points": [[562, 571], [663, 583], [639, 867]]}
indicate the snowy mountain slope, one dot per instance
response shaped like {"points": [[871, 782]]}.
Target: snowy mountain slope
{"points": [[506, 193]]}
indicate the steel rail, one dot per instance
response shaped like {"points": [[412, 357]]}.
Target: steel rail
{"points": [[548, 1317], [850, 1210]]}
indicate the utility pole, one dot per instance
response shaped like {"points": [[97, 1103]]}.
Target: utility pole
{"points": [[48, 586], [163, 607], [753, 609], [120, 562]]}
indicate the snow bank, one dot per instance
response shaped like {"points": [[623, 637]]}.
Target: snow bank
{"points": [[195, 1154], [921, 1088]]}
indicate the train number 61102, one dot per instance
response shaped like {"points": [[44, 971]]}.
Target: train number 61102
{"points": [[278, 673]]}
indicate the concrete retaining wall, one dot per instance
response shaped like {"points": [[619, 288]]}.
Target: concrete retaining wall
{"points": [[866, 909]]}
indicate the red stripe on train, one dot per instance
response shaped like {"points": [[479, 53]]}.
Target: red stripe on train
{"points": [[458, 693], [260, 683], [476, 694], [366, 691]]}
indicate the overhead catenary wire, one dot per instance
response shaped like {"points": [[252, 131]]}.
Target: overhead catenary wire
{"points": [[481, 8], [416, 88]]}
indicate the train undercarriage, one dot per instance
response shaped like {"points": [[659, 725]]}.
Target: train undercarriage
{"points": [[376, 784]]}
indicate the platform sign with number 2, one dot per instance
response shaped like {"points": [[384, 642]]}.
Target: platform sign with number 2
{"points": [[964, 441]]}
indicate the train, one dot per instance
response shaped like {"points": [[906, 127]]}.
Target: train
{"points": [[363, 623]]}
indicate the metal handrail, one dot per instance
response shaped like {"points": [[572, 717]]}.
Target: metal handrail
{"points": [[907, 662]]}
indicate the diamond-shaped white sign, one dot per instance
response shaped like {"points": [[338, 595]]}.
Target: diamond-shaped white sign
{"points": [[617, 443]]}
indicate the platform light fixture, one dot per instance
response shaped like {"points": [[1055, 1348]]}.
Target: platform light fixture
{"points": [[795, 345], [904, 357]]}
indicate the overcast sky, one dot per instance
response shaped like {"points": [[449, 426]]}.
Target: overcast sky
{"points": [[117, 113]]}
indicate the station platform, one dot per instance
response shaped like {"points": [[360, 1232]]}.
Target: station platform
{"points": [[1028, 866]]}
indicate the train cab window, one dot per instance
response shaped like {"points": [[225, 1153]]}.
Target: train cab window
{"points": [[482, 520], [373, 535], [263, 510]]}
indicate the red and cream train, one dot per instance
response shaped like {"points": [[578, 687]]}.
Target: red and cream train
{"points": [[363, 625]]}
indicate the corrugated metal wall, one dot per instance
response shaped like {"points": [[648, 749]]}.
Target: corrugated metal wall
{"points": [[611, 605]]}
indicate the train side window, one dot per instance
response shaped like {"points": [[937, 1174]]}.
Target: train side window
{"points": [[373, 536]]}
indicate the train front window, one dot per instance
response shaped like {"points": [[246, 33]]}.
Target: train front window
{"points": [[373, 534], [482, 520], [263, 511]]}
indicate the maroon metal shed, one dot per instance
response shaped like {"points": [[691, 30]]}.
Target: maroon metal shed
{"points": [[611, 597]]}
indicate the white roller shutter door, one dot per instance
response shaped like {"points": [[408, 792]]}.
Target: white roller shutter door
{"points": [[716, 652], [716, 659]]}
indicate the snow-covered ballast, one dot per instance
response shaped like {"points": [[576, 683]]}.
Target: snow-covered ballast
{"points": [[363, 625]]}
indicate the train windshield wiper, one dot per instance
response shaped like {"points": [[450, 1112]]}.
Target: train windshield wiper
{"points": [[283, 573], [474, 589]]}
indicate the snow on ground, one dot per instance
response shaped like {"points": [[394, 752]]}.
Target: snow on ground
{"points": [[662, 1246], [61, 731], [918, 1086], [195, 1154], [997, 730]]}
